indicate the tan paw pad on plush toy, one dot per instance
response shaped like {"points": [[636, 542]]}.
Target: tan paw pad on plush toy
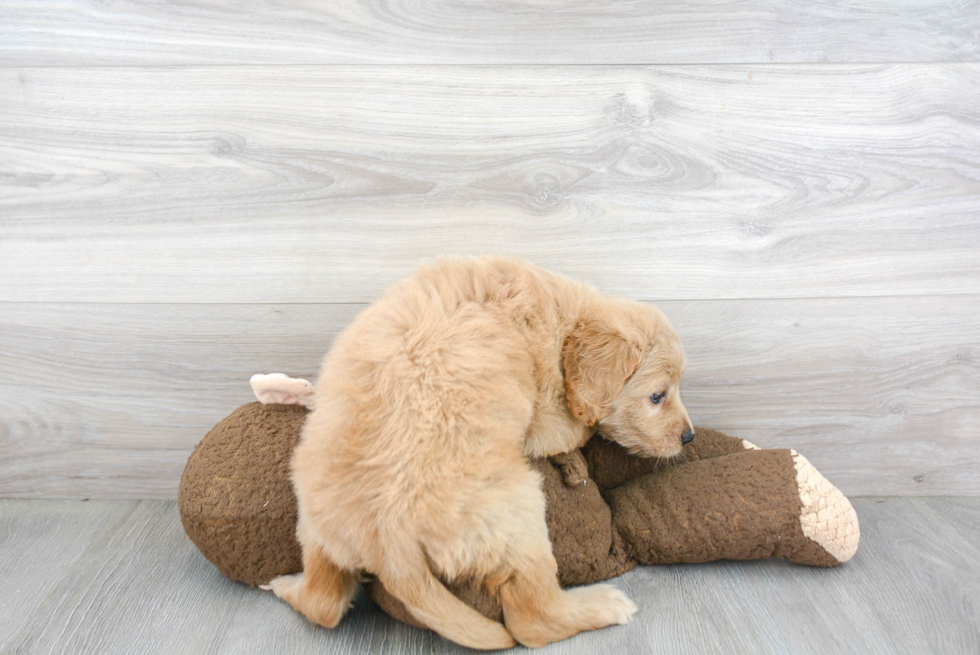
{"points": [[827, 516], [607, 510]]}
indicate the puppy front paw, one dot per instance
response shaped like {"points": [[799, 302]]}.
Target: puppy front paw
{"points": [[573, 467]]}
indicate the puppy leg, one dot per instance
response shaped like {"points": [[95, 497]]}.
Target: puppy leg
{"points": [[323, 592], [536, 609]]}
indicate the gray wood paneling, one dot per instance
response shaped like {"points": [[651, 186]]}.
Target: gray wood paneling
{"points": [[194, 192], [76, 32], [882, 394], [107, 401], [324, 184], [128, 580]]}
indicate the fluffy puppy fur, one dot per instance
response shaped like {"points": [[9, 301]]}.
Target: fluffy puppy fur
{"points": [[414, 459]]}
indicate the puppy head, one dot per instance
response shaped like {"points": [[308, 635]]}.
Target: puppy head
{"points": [[623, 364]]}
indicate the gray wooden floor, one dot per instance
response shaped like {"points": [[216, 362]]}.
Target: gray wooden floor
{"points": [[121, 577]]}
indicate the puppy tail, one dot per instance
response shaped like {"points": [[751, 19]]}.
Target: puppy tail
{"points": [[428, 600]]}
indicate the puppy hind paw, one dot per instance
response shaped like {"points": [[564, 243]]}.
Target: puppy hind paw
{"points": [[286, 587], [606, 603], [323, 609]]}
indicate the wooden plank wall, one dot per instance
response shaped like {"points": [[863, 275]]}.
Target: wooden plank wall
{"points": [[192, 193]]}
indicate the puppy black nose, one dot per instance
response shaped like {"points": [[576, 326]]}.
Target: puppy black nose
{"points": [[687, 437]]}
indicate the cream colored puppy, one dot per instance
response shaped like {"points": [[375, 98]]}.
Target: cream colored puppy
{"points": [[414, 460]]}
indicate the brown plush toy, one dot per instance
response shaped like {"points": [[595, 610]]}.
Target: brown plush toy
{"points": [[607, 510]]}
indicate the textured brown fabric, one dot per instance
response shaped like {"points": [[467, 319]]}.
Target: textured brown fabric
{"points": [[737, 507], [716, 501], [581, 530], [235, 499], [611, 465], [709, 444]]}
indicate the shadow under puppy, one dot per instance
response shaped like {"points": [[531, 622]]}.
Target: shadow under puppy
{"points": [[427, 410]]}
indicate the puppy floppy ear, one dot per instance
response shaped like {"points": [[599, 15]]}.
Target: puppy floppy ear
{"points": [[598, 361]]}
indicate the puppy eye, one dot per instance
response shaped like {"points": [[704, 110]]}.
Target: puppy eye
{"points": [[657, 397]]}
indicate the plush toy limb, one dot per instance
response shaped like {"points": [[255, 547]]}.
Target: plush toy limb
{"points": [[827, 516], [280, 389], [748, 505], [710, 443], [611, 465]]}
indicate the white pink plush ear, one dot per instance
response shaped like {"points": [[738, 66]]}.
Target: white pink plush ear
{"points": [[280, 389]]}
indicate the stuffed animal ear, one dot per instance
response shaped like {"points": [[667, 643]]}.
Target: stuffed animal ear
{"points": [[280, 389], [598, 361]]}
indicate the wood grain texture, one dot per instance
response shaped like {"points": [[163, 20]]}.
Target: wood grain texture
{"points": [[107, 401], [79, 32], [325, 184], [40, 543], [131, 581], [138, 586]]}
